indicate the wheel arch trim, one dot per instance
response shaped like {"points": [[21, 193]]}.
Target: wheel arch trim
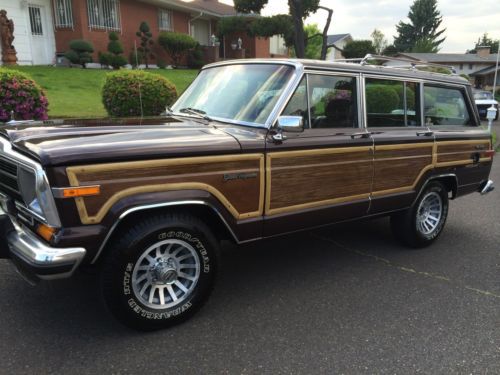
{"points": [[146, 207], [434, 178]]}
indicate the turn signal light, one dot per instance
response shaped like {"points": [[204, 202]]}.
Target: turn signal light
{"points": [[45, 232], [82, 191]]}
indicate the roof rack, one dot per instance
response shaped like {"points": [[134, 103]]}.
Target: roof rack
{"points": [[412, 64]]}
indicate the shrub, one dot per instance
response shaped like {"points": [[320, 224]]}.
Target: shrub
{"points": [[105, 59], [80, 52], [196, 59], [381, 99], [146, 41], [114, 46], [115, 49], [121, 98], [161, 64], [410, 95], [20, 94], [135, 58], [176, 45]]}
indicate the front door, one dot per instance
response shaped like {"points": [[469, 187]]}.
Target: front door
{"points": [[200, 31], [41, 47], [323, 174]]}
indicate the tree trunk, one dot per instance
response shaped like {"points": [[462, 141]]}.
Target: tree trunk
{"points": [[298, 23], [324, 48]]}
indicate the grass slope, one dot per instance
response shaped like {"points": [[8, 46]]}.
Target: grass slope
{"points": [[74, 92]]}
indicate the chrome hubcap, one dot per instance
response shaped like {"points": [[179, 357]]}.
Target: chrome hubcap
{"points": [[429, 213], [166, 274]]}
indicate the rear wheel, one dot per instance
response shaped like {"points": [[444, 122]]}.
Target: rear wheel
{"points": [[160, 272], [422, 224]]}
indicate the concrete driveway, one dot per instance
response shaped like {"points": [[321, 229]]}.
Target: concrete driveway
{"points": [[347, 299]]}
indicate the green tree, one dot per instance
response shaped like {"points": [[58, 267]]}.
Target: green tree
{"points": [[485, 40], [146, 43], [390, 50], [115, 49], [80, 52], [425, 20], [379, 41], [424, 45], [358, 49], [176, 45], [290, 26], [314, 41]]}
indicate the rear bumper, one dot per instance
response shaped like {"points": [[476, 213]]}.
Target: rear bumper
{"points": [[486, 187], [34, 259]]}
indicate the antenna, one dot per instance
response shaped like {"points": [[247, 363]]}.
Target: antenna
{"points": [[140, 93]]}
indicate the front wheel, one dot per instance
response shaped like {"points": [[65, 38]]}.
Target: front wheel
{"points": [[160, 272], [421, 224]]}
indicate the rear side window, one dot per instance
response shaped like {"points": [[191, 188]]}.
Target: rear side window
{"points": [[445, 106], [392, 103]]}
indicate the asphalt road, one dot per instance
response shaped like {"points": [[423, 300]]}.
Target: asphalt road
{"points": [[347, 299]]}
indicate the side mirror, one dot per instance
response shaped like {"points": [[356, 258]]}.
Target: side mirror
{"points": [[291, 124]]}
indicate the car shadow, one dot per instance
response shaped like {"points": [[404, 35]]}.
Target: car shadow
{"points": [[250, 274]]}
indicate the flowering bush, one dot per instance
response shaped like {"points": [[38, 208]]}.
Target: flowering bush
{"points": [[22, 96], [123, 91]]}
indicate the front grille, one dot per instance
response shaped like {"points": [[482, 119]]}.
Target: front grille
{"points": [[8, 178]]}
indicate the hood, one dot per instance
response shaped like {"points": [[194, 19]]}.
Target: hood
{"points": [[82, 142]]}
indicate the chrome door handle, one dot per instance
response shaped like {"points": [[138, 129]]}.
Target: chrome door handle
{"points": [[361, 135], [426, 133]]}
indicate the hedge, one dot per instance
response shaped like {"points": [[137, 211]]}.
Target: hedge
{"points": [[123, 90], [22, 96]]}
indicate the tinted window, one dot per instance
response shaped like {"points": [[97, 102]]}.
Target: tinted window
{"points": [[333, 101], [445, 106], [392, 103]]}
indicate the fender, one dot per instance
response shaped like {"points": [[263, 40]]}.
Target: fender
{"points": [[146, 207], [437, 177]]}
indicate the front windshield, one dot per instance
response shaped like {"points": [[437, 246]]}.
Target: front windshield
{"points": [[483, 95], [244, 93]]}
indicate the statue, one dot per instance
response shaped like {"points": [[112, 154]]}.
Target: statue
{"points": [[9, 54]]}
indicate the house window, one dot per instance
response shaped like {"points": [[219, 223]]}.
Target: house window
{"points": [[63, 13], [165, 20], [471, 66], [35, 20], [277, 45], [461, 66], [104, 14]]}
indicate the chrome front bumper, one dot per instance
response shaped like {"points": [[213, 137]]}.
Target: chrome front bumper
{"points": [[34, 259]]}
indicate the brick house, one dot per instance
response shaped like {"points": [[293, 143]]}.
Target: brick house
{"points": [[44, 28]]}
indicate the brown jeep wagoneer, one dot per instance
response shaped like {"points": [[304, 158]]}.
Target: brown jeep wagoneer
{"points": [[253, 149]]}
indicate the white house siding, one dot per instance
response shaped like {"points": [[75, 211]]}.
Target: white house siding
{"points": [[31, 50], [335, 54]]}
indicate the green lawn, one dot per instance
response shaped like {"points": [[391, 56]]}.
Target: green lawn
{"points": [[74, 92]]}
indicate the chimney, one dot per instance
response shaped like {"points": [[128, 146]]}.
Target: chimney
{"points": [[483, 51]]}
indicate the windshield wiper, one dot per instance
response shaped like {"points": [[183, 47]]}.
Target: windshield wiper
{"points": [[196, 112]]}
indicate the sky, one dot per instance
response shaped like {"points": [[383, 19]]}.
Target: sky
{"points": [[465, 20]]}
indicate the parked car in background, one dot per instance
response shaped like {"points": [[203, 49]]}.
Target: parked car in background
{"points": [[484, 100]]}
